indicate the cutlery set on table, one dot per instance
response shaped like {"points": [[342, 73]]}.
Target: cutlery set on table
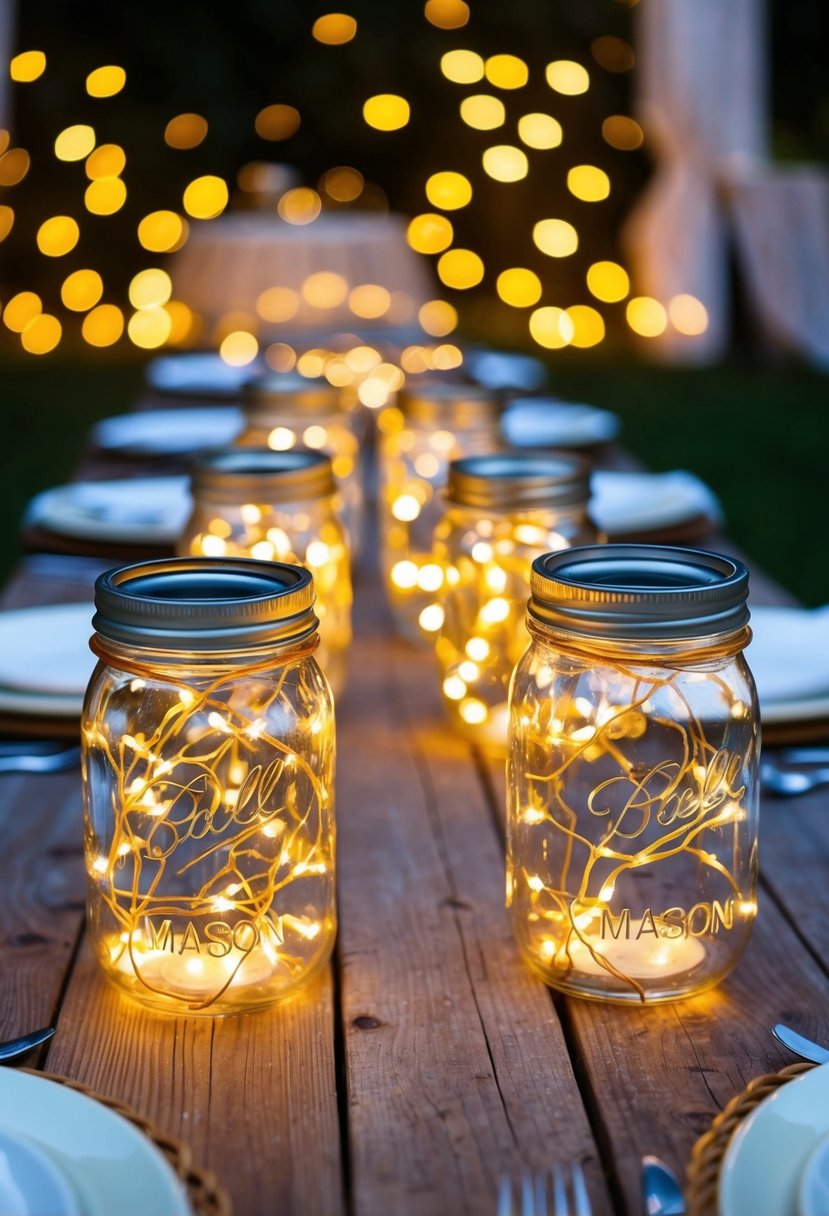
{"points": [[773, 1161]]}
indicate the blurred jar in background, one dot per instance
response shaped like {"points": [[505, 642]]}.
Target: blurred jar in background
{"points": [[432, 423], [284, 410], [502, 512], [278, 506]]}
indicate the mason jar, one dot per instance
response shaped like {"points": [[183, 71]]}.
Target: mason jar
{"points": [[278, 506], [501, 512], [284, 410], [208, 769], [433, 422], [632, 773]]}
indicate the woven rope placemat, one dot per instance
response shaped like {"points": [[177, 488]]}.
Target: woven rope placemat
{"points": [[205, 1194], [703, 1175]]}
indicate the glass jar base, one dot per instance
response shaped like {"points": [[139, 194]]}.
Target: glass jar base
{"points": [[681, 987], [235, 999]]}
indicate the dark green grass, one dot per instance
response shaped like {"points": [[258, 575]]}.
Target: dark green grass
{"points": [[758, 437]]}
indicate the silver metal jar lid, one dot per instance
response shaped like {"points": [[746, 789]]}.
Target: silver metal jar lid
{"points": [[203, 604], [630, 592], [288, 393], [258, 475], [516, 481], [449, 403]]}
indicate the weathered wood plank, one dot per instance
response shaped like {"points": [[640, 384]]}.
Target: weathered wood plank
{"points": [[254, 1096], [44, 888], [457, 1068]]}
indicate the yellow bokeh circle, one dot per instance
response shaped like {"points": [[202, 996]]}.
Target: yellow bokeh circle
{"points": [[430, 233], [519, 287], [334, 29], [106, 81], [150, 288], [588, 325], [646, 316], [588, 183], [149, 328], [239, 348], [82, 290], [108, 160], [75, 143], [20, 310], [551, 327], [58, 235], [103, 325], [205, 197], [27, 66], [105, 195], [161, 231], [608, 281], [42, 334], [448, 190], [556, 238], [460, 268], [438, 318], [386, 112]]}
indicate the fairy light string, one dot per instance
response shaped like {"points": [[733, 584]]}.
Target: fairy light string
{"points": [[211, 768], [667, 806]]}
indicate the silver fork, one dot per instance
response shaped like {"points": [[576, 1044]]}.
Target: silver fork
{"points": [[565, 1186]]}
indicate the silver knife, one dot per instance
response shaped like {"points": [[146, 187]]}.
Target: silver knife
{"points": [[800, 1045], [661, 1192]]}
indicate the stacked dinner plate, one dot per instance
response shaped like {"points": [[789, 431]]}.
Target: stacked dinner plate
{"points": [[64, 1154]]}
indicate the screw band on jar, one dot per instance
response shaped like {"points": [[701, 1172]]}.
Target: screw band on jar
{"points": [[639, 592], [281, 392], [518, 481], [449, 404], [262, 475], [187, 604]]}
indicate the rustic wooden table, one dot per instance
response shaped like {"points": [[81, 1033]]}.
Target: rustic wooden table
{"points": [[427, 1061]]}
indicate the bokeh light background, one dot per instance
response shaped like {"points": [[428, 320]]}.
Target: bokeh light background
{"points": [[504, 133]]}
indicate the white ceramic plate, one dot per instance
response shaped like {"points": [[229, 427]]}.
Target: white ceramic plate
{"points": [[770, 1150], [197, 373], [546, 422], [30, 1182], [110, 1166], [789, 657], [813, 1192], [46, 650], [168, 432], [639, 502], [136, 509]]}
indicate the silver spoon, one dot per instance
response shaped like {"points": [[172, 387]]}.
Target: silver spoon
{"points": [[801, 1046], [786, 783], [661, 1192], [18, 1047]]}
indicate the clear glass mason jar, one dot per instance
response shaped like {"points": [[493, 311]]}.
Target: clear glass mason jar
{"points": [[278, 506], [501, 513], [433, 422], [208, 769], [632, 773], [284, 410]]}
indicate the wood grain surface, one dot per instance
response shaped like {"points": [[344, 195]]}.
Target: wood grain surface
{"points": [[428, 1061]]}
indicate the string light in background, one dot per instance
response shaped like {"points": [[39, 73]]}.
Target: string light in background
{"points": [[160, 319]]}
